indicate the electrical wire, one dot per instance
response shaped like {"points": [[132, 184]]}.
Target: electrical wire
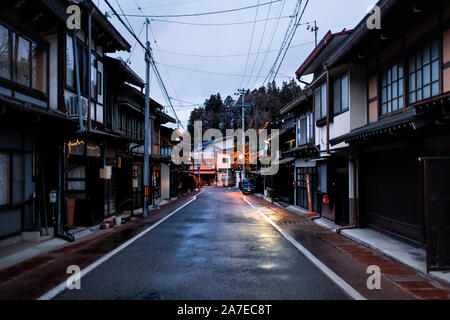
{"points": [[250, 46], [271, 41], [285, 39], [204, 71], [201, 13], [135, 45], [292, 37], [139, 8], [218, 24], [260, 43], [229, 55], [152, 62]]}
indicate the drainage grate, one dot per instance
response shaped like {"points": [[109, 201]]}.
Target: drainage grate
{"points": [[302, 223]]}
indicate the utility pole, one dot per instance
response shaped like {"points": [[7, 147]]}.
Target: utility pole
{"points": [[241, 92], [148, 134], [314, 29]]}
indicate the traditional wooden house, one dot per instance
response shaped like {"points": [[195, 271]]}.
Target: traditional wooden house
{"points": [[401, 145], [40, 127], [305, 152]]}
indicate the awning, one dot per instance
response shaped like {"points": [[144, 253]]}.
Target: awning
{"points": [[284, 161]]}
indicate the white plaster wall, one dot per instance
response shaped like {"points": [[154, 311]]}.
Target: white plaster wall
{"points": [[339, 127], [220, 164]]}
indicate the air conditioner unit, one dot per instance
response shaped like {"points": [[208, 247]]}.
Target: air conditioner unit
{"points": [[73, 107]]}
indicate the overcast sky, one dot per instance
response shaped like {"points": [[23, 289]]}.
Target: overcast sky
{"points": [[196, 47]]}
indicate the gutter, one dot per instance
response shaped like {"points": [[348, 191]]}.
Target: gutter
{"points": [[328, 110]]}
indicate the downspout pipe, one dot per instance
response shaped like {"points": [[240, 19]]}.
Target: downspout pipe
{"points": [[89, 123], [59, 233], [77, 76], [328, 110]]}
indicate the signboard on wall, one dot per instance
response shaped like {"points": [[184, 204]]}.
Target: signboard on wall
{"points": [[76, 147], [93, 150]]}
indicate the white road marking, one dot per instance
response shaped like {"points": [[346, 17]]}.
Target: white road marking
{"points": [[61, 287], [322, 267]]}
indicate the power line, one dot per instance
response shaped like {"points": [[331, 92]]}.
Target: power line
{"points": [[250, 46], [126, 26], [126, 19], [135, 45], [230, 55], [199, 14], [289, 29], [152, 62], [292, 37], [187, 102], [260, 43], [204, 71], [166, 5], [167, 72], [218, 24], [271, 41], [289, 35]]}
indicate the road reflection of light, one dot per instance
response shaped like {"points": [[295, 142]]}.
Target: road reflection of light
{"points": [[267, 266]]}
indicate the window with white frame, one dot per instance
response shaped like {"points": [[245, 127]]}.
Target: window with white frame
{"points": [[320, 101], [341, 94], [304, 129]]}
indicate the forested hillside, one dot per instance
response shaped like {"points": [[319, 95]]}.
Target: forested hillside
{"points": [[265, 105]]}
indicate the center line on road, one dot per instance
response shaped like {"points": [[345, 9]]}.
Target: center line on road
{"points": [[319, 264], [61, 287]]}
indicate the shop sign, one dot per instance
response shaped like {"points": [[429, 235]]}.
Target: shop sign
{"points": [[93, 150]]}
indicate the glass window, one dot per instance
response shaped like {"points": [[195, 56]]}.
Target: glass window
{"points": [[99, 115], [93, 77], [317, 103], [424, 81], [22, 59], [77, 178], [324, 100], [70, 63], [5, 63], [321, 102], [337, 96], [304, 129], [341, 94], [38, 68], [344, 93], [392, 89], [5, 179]]}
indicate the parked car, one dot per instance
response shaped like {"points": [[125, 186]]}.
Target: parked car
{"points": [[248, 186]]}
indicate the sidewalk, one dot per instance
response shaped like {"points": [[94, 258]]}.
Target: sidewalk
{"points": [[401, 252], [30, 279], [14, 251], [349, 259]]}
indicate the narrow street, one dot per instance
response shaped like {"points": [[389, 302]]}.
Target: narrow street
{"points": [[217, 247]]}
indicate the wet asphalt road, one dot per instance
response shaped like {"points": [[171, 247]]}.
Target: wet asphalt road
{"points": [[217, 247]]}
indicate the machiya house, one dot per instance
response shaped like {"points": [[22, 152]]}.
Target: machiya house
{"points": [[36, 86], [382, 125], [71, 120]]}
